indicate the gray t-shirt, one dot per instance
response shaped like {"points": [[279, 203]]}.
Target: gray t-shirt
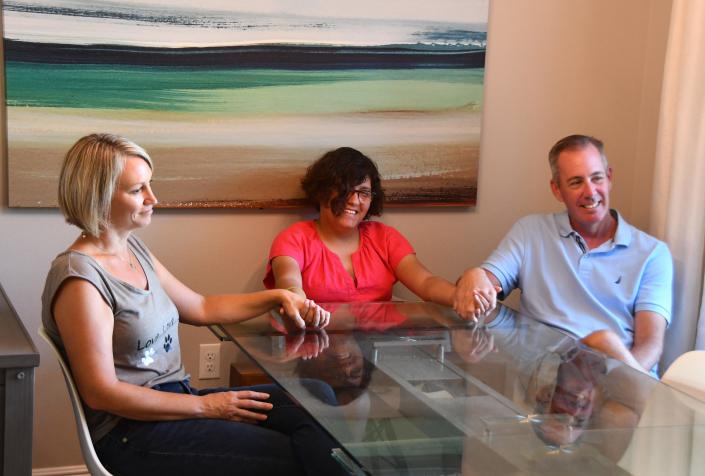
{"points": [[146, 348]]}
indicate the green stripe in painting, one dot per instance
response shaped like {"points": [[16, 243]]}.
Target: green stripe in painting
{"points": [[246, 92]]}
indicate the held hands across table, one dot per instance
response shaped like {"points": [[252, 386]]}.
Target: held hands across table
{"points": [[302, 312], [475, 295]]}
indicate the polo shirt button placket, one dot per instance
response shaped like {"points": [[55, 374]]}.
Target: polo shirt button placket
{"points": [[586, 265]]}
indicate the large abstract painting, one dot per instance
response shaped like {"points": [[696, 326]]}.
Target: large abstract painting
{"points": [[233, 99]]}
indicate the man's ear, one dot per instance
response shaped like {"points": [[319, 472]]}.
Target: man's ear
{"points": [[609, 176], [556, 191]]}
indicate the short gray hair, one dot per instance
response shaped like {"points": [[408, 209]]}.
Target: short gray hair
{"points": [[573, 142], [89, 176]]}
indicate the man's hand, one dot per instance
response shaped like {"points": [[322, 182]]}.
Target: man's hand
{"points": [[475, 294]]}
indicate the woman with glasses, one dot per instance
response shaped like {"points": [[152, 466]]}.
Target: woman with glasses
{"points": [[343, 256]]}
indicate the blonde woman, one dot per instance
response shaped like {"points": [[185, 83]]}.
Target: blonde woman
{"points": [[114, 310]]}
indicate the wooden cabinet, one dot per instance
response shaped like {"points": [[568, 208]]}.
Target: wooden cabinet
{"points": [[18, 358]]}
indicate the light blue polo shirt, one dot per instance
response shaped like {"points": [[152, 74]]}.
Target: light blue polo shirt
{"points": [[580, 291]]}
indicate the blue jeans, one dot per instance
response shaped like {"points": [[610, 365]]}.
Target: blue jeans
{"points": [[287, 443]]}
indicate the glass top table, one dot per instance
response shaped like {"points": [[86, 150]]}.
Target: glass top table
{"points": [[409, 388]]}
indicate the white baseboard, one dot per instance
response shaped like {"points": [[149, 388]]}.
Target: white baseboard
{"points": [[62, 471]]}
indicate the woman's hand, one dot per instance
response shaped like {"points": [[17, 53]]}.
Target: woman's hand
{"points": [[314, 315], [303, 312], [246, 406]]}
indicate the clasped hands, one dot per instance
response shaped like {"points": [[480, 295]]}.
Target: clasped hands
{"points": [[302, 312], [475, 295], [301, 321]]}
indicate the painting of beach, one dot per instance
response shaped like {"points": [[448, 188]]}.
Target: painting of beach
{"points": [[233, 100]]}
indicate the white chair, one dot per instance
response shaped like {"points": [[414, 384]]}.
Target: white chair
{"points": [[84, 437], [687, 374]]}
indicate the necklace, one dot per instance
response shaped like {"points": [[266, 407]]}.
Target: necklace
{"points": [[128, 260]]}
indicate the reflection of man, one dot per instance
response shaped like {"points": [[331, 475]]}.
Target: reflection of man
{"points": [[569, 393], [586, 270]]}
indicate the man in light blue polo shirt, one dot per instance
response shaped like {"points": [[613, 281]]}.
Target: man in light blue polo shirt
{"points": [[585, 270]]}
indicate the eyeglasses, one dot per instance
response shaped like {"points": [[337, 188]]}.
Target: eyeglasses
{"points": [[363, 194]]}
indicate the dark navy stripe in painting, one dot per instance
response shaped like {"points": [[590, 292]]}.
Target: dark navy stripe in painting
{"points": [[296, 57]]}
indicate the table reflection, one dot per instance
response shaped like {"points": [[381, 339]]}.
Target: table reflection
{"points": [[410, 388], [342, 365], [565, 388]]}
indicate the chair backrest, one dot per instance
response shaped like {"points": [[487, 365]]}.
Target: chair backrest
{"points": [[687, 374], [84, 437]]}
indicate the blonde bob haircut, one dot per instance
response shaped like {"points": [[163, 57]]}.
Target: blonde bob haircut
{"points": [[89, 176]]}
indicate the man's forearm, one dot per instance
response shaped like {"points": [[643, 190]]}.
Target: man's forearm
{"points": [[647, 354], [649, 331], [610, 344]]}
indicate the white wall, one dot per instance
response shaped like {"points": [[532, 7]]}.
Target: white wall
{"points": [[553, 68]]}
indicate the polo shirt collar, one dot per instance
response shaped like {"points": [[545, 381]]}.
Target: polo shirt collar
{"points": [[563, 222], [622, 237]]}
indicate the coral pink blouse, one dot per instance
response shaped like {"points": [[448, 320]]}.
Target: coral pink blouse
{"points": [[323, 275]]}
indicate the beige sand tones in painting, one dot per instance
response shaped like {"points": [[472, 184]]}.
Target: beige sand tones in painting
{"points": [[216, 160]]}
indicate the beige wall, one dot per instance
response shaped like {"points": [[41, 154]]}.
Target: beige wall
{"points": [[553, 68]]}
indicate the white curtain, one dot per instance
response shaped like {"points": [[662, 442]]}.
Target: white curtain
{"points": [[678, 207]]}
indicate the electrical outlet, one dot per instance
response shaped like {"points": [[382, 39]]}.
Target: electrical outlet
{"points": [[209, 361]]}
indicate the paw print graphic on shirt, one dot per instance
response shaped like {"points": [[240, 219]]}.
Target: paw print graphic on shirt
{"points": [[147, 359], [167, 342]]}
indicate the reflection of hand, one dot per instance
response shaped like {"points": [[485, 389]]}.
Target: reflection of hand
{"points": [[475, 295], [472, 345], [306, 345], [244, 405]]}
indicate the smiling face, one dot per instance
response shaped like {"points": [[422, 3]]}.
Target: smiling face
{"points": [[584, 185], [356, 207], [133, 199]]}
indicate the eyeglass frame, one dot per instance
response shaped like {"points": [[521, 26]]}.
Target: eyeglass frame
{"points": [[363, 194]]}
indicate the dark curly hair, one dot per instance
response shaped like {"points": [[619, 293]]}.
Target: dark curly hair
{"points": [[334, 176]]}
